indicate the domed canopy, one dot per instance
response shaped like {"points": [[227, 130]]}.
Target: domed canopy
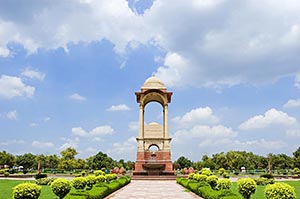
{"points": [[153, 83]]}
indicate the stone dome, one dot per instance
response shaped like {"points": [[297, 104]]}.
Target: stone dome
{"points": [[153, 83]]}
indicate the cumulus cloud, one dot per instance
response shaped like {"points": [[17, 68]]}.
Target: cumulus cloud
{"points": [[11, 86], [271, 117], [39, 144], [77, 97], [98, 131], [212, 44], [12, 115], [202, 132], [292, 103], [120, 107], [196, 116], [133, 126], [124, 150], [32, 74]]}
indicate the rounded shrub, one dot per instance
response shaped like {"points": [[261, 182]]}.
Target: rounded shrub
{"points": [[246, 187], [90, 180], [280, 190], [61, 187], [99, 172], [223, 184], [221, 171], [200, 177], [79, 183], [212, 181], [191, 175], [27, 191], [100, 178], [110, 177], [206, 171]]}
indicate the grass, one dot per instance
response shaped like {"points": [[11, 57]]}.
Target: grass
{"points": [[259, 193], [6, 187]]}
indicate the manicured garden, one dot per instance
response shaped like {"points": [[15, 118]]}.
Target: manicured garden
{"points": [[208, 186], [92, 186]]}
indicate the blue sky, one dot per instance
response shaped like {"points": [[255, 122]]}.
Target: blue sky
{"points": [[69, 70]]}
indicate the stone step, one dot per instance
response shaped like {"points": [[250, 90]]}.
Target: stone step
{"points": [[149, 177]]}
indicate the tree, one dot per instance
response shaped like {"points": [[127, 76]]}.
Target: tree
{"points": [[51, 161], [27, 160], [69, 153], [100, 160], [7, 159], [183, 162], [68, 161], [296, 158]]}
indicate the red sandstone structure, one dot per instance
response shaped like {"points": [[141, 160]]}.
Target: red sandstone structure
{"points": [[153, 135]]}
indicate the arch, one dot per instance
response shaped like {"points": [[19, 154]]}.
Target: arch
{"points": [[153, 96], [153, 147]]}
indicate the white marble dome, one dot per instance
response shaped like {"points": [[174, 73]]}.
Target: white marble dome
{"points": [[153, 83]]}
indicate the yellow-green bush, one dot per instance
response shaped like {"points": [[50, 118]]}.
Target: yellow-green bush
{"points": [[61, 187], [79, 183], [27, 191], [280, 190], [246, 187], [223, 184]]}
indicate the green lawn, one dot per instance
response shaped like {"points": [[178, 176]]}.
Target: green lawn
{"points": [[6, 187], [259, 193]]}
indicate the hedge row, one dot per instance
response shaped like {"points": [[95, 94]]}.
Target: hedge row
{"points": [[99, 190]]}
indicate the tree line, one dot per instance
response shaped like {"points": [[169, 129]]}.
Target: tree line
{"points": [[231, 160], [67, 161], [234, 160]]}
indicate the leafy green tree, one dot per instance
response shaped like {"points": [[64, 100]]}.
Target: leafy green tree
{"points": [[208, 162], [7, 159], [51, 161], [27, 160], [184, 162], [69, 153], [296, 158], [100, 160], [68, 161]]}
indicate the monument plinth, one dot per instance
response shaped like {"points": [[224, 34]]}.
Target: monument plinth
{"points": [[155, 161]]}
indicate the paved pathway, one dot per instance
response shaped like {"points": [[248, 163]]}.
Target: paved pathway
{"points": [[152, 190]]}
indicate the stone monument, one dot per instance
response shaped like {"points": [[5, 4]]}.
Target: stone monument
{"points": [[153, 135]]}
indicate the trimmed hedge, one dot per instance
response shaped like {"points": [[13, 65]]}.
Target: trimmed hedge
{"points": [[100, 190], [61, 187], [203, 189]]}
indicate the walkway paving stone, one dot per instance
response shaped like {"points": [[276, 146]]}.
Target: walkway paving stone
{"points": [[151, 189]]}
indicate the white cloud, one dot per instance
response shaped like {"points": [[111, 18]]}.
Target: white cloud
{"points": [[33, 74], [120, 107], [202, 132], [77, 97], [11, 87], [12, 115], [297, 81], [39, 144], [196, 116], [12, 142], [98, 131], [46, 119], [292, 103], [124, 150], [133, 126], [102, 130], [213, 43], [79, 131], [69, 143], [33, 124], [271, 117]]}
